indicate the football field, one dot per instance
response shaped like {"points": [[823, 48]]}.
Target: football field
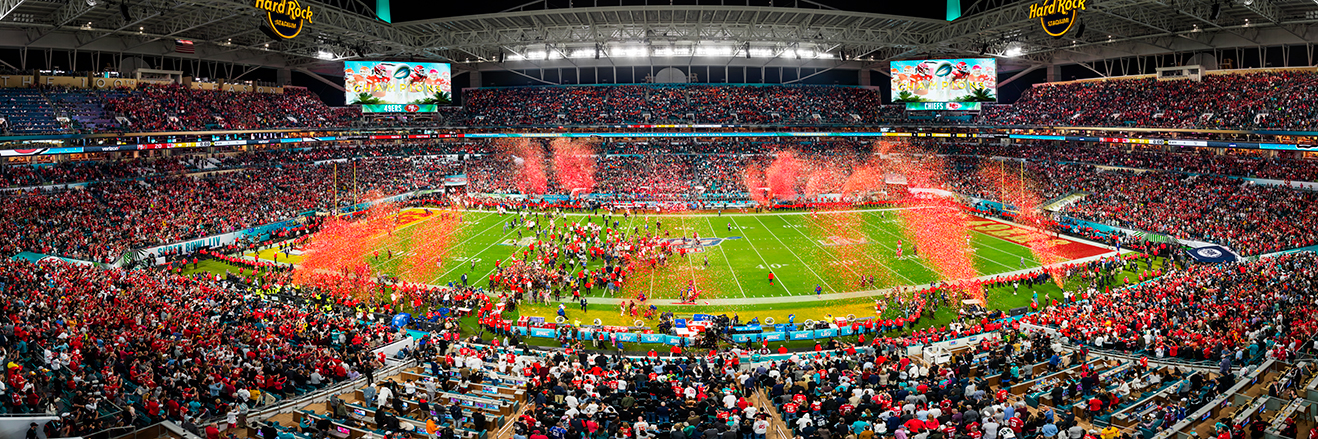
{"points": [[729, 257]]}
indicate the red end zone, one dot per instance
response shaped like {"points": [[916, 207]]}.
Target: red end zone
{"points": [[1059, 245]]}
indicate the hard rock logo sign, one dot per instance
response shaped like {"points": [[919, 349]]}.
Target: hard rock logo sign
{"points": [[285, 18], [1057, 16]]}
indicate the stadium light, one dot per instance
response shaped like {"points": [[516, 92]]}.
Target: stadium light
{"points": [[1012, 52], [325, 55]]}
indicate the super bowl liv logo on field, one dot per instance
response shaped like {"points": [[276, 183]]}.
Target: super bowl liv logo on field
{"points": [[1057, 16], [285, 17]]}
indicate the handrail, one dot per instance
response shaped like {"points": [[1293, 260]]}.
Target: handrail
{"points": [[343, 387]]}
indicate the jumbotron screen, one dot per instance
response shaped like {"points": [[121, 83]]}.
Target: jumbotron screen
{"points": [[397, 87], [923, 84]]}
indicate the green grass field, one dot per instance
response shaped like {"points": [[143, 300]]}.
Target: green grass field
{"points": [[732, 264]]}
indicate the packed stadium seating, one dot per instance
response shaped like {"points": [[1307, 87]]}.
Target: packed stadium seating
{"points": [[174, 108], [280, 184], [1271, 100], [642, 104], [1264, 101], [150, 346], [132, 346]]}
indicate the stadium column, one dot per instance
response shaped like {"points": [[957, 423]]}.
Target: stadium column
{"points": [[475, 78], [863, 77], [1054, 73], [285, 76]]}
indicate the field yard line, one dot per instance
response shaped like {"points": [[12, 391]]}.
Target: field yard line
{"points": [[725, 256], [867, 254], [757, 253], [977, 255], [690, 259], [482, 233], [798, 258], [877, 261]]}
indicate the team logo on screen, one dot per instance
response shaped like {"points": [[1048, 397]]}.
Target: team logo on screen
{"points": [[1057, 16], [285, 17]]}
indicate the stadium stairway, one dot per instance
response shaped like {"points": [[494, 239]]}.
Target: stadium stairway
{"points": [[1063, 201], [778, 428]]}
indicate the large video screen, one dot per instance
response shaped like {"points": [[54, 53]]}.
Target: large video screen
{"points": [[397, 87], [944, 80]]}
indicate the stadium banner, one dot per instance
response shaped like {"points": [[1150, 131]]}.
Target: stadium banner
{"points": [[52, 140], [653, 338], [455, 180], [521, 330], [673, 340], [627, 337], [845, 331], [802, 335], [945, 80], [396, 87], [542, 332], [1212, 254], [949, 106], [39, 258], [742, 338], [399, 108], [825, 333], [1306, 185], [775, 336]]}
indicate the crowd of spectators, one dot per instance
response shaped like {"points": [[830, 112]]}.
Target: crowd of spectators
{"points": [[176, 108], [102, 348], [145, 202], [100, 221], [1262, 101], [1268, 100], [874, 388], [1251, 218], [654, 104]]}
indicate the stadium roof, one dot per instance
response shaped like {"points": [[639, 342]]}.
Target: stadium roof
{"points": [[228, 31]]}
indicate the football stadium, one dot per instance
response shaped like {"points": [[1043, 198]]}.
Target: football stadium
{"points": [[649, 219]]}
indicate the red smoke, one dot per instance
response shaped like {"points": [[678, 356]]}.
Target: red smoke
{"points": [[338, 256], [574, 164], [529, 164], [782, 176], [430, 246]]}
